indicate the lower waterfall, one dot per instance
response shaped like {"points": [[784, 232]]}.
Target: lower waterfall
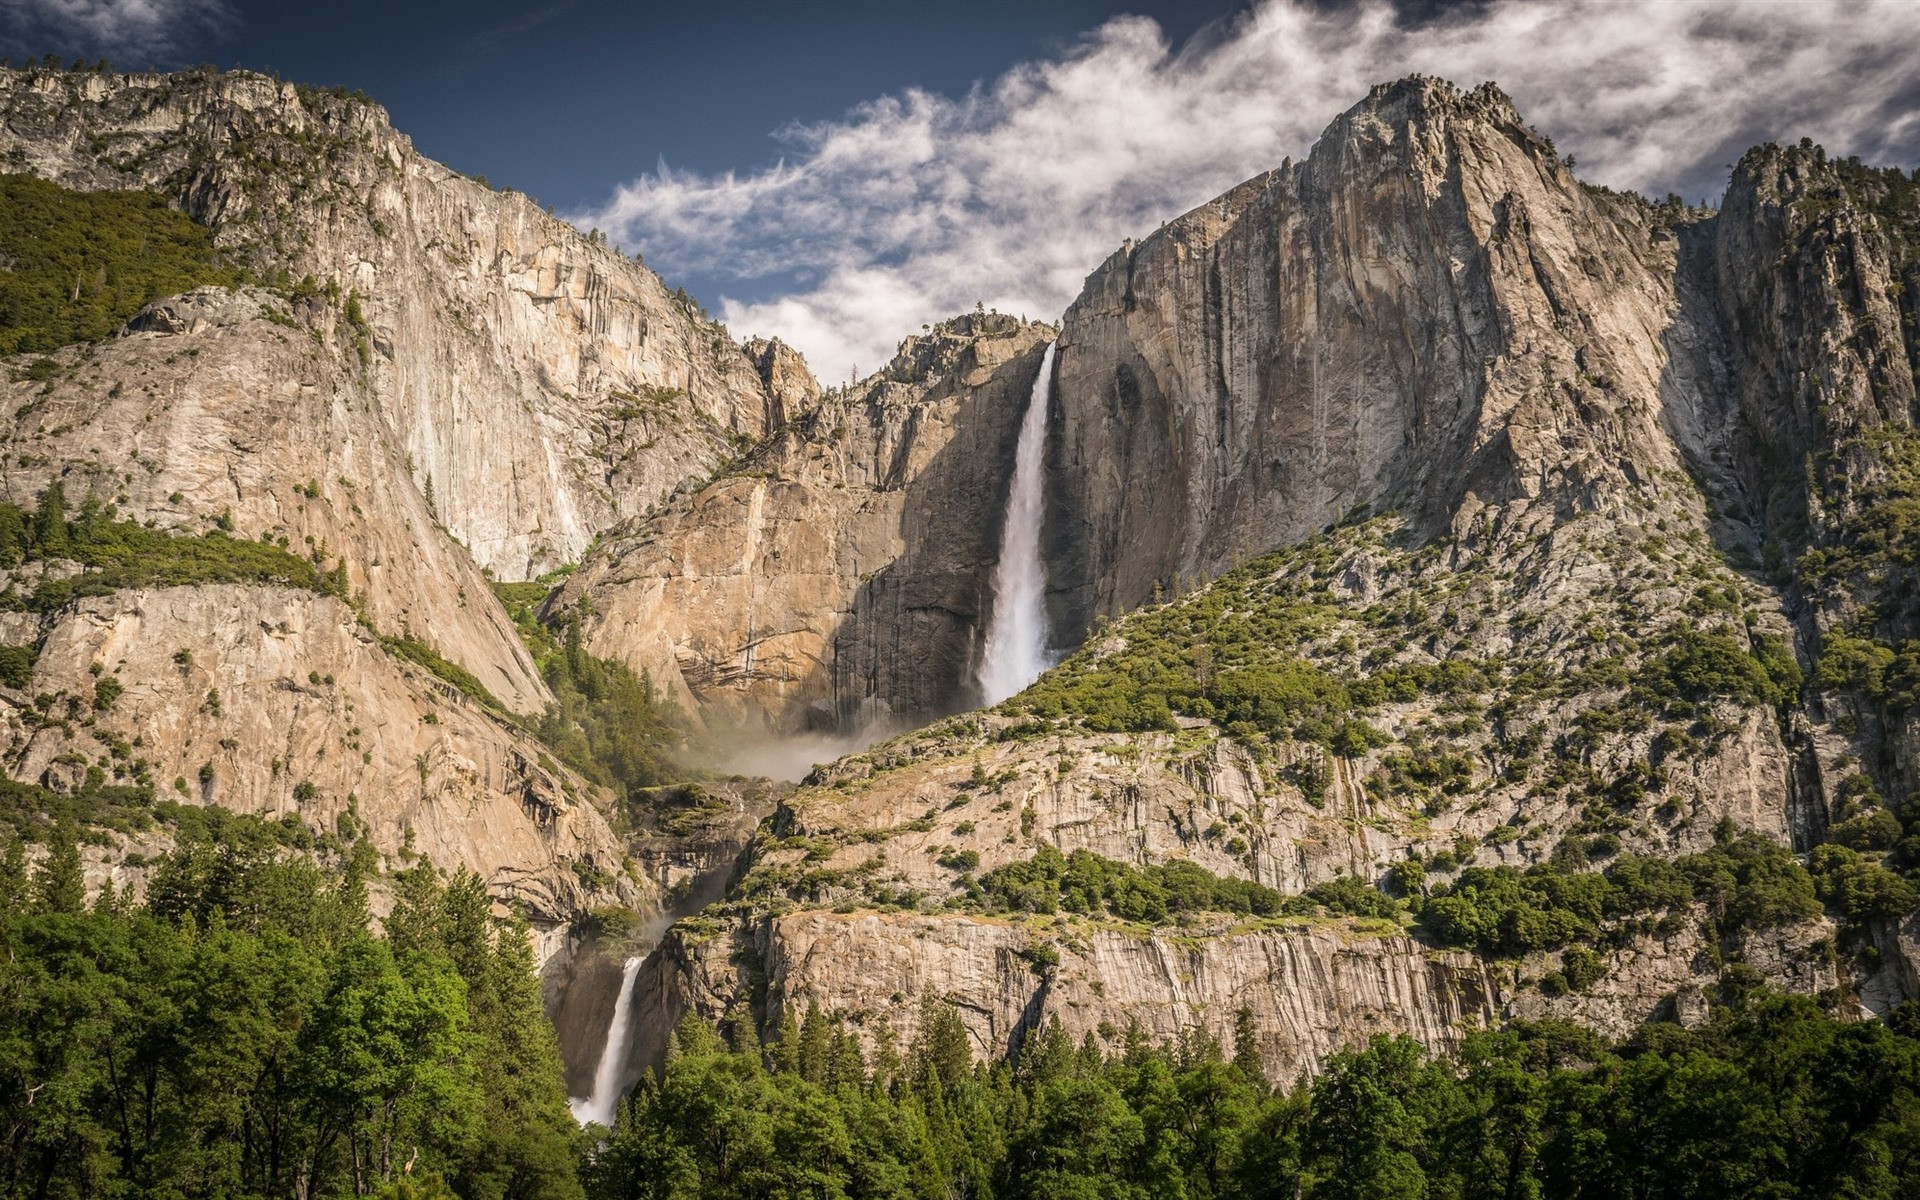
{"points": [[599, 1107], [1016, 650]]}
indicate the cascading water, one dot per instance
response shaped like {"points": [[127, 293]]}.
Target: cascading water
{"points": [[598, 1108], [1016, 651]]}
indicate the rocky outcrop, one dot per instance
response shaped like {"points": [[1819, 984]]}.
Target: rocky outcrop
{"points": [[1582, 412], [541, 385], [1310, 988], [280, 703], [245, 409], [1428, 314], [837, 579], [431, 380]]}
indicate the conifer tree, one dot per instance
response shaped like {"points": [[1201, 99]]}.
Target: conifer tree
{"points": [[50, 523], [59, 883]]}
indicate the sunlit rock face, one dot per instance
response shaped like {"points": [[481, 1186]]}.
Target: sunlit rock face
{"points": [[838, 577], [1592, 423], [542, 383], [434, 380]]}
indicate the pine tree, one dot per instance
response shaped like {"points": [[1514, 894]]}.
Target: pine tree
{"points": [[59, 884], [1246, 1048], [13, 535], [15, 890], [50, 523], [814, 1045], [941, 1050]]}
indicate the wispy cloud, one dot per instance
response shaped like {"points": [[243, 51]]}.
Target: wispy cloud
{"points": [[488, 44], [914, 206]]}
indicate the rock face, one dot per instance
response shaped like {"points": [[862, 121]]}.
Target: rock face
{"points": [[245, 408], [287, 706], [839, 578], [540, 384], [1599, 429], [432, 380], [1420, 316], [1312, 990]]}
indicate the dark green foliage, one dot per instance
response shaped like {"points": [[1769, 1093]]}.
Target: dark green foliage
{"points": [[1771, 1098], [1231, 654], [418, 652], [81, 263], [1714, 664], [31, 811], [1348, 896], [605, 722], [1859, 888], [59, 884], [125, 554], [1084, 882], [1746, 880], [16, 665], [243, 1034]]}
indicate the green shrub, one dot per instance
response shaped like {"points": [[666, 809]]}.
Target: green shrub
{"points": [[1860, 888], [121, 554], [418, 652], [1084, 882], [1746, 880], [81, 263], [16, 665]]}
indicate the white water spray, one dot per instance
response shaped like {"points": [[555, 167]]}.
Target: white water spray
{"points": [[598, 1107], [1016, 650]]}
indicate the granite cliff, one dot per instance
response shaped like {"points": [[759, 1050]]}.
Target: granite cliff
{"points": [[423, 386], [1488, 595], [1584, 504], [838, 577]]}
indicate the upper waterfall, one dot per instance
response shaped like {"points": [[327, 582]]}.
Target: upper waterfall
{"points": [[1016, 650]]}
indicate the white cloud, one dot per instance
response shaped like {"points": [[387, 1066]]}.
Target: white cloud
{"points": [[143, 32], [914, 206]]}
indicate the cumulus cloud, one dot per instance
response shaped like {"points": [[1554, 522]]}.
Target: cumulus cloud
{"points": [[914, 206], [140, 32]]}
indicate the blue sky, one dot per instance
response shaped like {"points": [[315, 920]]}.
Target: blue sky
{"points": [[838, 173], [564, 99]]}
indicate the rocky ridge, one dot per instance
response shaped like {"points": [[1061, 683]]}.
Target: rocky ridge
{"points": [[542, 383], [1586, 625], [837, 578], [430, 383]]}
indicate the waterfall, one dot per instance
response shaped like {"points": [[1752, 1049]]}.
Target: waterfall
{"points": [[598, 1108], [1016, 650]]}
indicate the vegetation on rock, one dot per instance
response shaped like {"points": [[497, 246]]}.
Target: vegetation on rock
{"points": [[78, 264], [116, 554]]}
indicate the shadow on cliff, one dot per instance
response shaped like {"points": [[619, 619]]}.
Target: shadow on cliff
{"points": [[905, 653], [1741, 460], [583, 1012]]}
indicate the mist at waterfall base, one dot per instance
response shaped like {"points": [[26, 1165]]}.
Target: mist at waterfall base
{"points": [[1016, 650], [792, 757]]}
